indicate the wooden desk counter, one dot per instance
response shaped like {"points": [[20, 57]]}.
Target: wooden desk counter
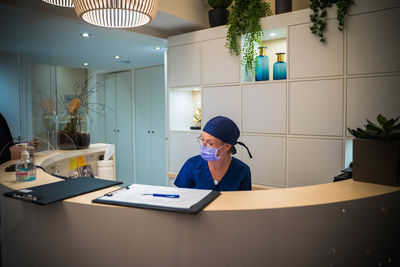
{"points": [[348, 223]]}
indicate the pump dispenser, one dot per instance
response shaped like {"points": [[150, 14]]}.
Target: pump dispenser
{"points": [[25, 168]]}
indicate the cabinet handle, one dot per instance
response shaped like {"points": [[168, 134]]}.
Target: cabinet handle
{"points": [[118, 130], [148, 131], [114, 130], [152, 132]]}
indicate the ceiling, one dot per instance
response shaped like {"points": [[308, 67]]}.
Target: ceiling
{"points": [[55, 38]]}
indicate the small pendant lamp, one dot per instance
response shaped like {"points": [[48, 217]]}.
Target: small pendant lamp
{"points": [[116, 13], [63, 3]]}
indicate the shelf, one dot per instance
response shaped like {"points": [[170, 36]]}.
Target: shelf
{"points": [[183, 103], [276, 42]]}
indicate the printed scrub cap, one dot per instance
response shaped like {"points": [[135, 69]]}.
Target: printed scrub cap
{"points": [[224, 129]]}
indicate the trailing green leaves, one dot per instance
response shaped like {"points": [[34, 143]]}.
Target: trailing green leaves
{"points": [[319, 15], [386, 130], [245, 19], [342, 8]]}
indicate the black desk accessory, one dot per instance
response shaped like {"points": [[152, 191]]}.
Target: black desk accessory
{"points": [[53, 192]]}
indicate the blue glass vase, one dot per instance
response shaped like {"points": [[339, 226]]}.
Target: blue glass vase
{"points": [[280, 68], [262, 65]]}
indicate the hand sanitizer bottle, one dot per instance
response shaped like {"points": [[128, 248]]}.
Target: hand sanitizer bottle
{"points": [[25, 168]]}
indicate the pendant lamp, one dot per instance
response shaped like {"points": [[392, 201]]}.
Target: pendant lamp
{"points": [[116, 13], [63, 3]]}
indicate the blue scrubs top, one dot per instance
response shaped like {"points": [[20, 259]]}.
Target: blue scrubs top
{"points": [[196, 174]]}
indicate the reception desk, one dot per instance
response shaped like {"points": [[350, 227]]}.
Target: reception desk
{"points": [[346, 223]]}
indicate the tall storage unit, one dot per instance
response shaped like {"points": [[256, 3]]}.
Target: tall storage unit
{"points": [[118, 97], [295, 128], [150, 139]]}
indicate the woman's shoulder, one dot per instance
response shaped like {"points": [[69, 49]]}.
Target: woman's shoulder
{"points": [[194, 161], [240, 164]]}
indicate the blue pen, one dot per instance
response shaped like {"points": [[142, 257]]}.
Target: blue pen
{"points": [[162, 195]]}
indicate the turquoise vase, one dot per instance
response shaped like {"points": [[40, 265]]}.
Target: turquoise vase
{"points": [[262, 65], [280, 68]]}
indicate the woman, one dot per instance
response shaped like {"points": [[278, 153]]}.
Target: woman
{"points": [[215, 168]]}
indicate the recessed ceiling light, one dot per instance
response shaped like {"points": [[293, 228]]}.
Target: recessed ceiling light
{"points": [[157, 48], [86, 35], [116, 57], [272, 34], [85, 64]]}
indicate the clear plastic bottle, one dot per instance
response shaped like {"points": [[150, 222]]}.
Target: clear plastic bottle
{"points": [[25, 168]]}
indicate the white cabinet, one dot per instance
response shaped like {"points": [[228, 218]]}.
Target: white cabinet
{"points": [[268, 163], [222, 101], [218, 65], [308, 57], [118, 96], [368, 97], [295, 127], [313, 161], [150, 126], [182, 146], [373, 47], [264, 108], [316, 107], [184, 65]]}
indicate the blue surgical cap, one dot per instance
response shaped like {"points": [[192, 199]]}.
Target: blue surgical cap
{"points": [[224, 129]]}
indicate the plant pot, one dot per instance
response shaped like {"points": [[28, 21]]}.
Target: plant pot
{"points": [[376, 161], [283, 6], [73, 131], [72, 141], [218, 16]]}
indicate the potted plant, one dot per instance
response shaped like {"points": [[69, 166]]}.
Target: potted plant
{"points": [[218, 15], [73, 129], [376, 152], [245, 19]]}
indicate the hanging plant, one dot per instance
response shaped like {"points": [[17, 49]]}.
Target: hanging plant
{"points": [[342, 9], [319, 15], [245, 19]]}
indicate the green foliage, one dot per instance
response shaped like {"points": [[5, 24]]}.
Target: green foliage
{"points": [[386, 130], [245, 19], [219, 3], [342, 8], [319, 15]]}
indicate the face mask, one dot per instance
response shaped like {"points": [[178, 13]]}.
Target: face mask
{"points": [[209, 153]]}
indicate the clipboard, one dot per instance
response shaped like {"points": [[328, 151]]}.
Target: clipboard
{"points": [[53, 192], [129, 201]]}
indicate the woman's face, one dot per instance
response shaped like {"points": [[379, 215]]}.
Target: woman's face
{"points": [[211, 141]]}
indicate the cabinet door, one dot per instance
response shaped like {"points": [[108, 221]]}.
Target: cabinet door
{"points": [[367, 97], [268, 163], [184, 65], [182, 146], [124, 127], [264, 108], [308, 57], [316, 107], [110, 91], [218, 65], [142, 126], [373, 42], [313, 161], [222, 101], [158, 133]]}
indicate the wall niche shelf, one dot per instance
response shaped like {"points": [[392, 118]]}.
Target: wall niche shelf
{"points": [[183, 103], [276, 42]]}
